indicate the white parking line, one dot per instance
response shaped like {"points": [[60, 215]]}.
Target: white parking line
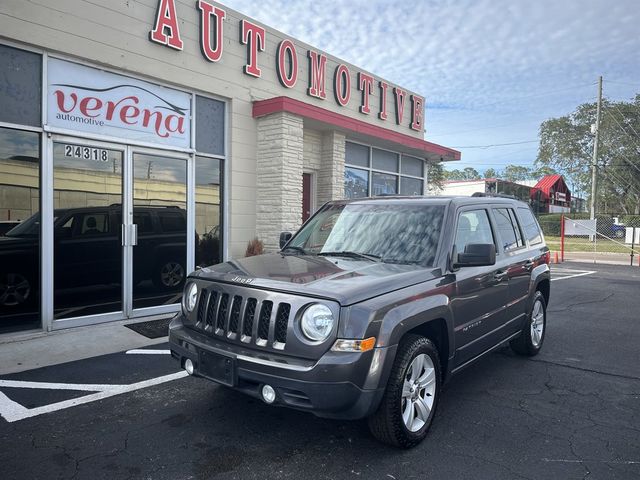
{"points": [[13, 411], [143, 351], [571, 274]]}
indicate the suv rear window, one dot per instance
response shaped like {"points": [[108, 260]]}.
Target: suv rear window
{"points": [[530, 226]]}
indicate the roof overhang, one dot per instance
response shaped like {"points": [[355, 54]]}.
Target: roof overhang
{"points": [[355, 129]]}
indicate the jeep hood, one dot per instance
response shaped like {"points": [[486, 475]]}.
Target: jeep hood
{"points": [[343, 279]]}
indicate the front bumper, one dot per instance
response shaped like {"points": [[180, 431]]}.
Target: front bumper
{"points": [[338, 385]]}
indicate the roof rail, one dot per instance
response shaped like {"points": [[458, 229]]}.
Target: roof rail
{"points": [[498, 195]]}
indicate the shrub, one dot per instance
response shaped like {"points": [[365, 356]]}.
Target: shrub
{"points": [[254, 247]]}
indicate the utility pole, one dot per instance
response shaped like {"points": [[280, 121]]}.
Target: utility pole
{"points": [[594, 161]]}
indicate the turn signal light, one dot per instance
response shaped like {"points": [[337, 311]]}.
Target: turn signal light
{"points": [[344, 345]]}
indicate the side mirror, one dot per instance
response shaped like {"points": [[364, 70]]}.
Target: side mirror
{"points": [[477, 255], [284, 238]]}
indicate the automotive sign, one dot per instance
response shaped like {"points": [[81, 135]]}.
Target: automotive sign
{"points": [[94, 101]]}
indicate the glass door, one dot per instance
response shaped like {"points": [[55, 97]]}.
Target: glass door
{"points": [[159, 260], [87, 218]]}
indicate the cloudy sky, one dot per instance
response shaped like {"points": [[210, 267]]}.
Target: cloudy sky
{"points": [[491, 70]]}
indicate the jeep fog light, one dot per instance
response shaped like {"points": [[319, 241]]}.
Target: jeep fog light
{"points": [[344, 345], [317, 322], [190, 297], [268, 394]]}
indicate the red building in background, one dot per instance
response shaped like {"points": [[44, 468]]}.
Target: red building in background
{"points": [[551, 195]]}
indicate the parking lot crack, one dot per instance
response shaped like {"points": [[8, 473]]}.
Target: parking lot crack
{"points": [[570, 306]]}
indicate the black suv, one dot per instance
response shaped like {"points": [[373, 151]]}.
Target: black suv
{"points": [[88, 250], [370, 307]]}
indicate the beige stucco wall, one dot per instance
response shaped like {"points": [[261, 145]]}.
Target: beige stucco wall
{"points": [[115, 34]]}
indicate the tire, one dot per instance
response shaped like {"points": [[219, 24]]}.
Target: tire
{"points": [[16, 289], [389, 424], [530, 340], [169, 275]]}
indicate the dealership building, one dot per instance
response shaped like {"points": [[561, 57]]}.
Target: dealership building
{"points": [[141, 139]]}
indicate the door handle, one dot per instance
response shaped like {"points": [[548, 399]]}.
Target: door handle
{"points": [[499, 276], [528, 265], [134, 234]]}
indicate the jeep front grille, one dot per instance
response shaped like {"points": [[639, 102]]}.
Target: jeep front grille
{"points": [[245, 319]]}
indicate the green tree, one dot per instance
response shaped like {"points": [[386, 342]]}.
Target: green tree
{"points": [[566, 144], [436, 176], [515, 173], [490, 173]]}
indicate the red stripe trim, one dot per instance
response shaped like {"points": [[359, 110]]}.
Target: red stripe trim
{"points": [[305, 110]]}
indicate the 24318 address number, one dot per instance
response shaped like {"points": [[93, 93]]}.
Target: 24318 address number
{"points": [[86, 153]]}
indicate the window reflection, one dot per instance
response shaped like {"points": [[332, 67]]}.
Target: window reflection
{"points": [[87, 260], [19, 229], [208, 211]]}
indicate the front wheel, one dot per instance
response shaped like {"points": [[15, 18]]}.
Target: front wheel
{"points": [[169, 275], [529, 342], [410, 399], [15, 289]]}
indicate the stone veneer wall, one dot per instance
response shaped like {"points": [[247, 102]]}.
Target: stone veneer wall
{"points": [[331, 173], [279, 176]]}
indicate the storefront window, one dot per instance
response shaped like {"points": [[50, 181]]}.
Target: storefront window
{"points": [[356, 154], [356, 183], [20, 86], [411, 186], [19, 229], [209, 126], [208, 211], [384, 160], [383, 184], [390, 173]]}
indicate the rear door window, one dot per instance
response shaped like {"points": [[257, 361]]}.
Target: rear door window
{"points": [[530, 226], [508, 228]]}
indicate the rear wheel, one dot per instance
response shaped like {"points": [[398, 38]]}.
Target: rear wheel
{"points": [[409, 403], [531, 338]]}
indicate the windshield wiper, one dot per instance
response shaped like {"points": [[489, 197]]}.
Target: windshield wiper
{"points": [[297, 249], [345, 253]]}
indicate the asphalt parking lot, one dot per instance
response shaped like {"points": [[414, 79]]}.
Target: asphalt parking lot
{"points": [[572, 412]]}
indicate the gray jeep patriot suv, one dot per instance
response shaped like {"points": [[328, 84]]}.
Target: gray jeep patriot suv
{"points": [[370, 307]]}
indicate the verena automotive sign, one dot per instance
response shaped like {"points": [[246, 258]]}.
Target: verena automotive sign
{"points": [[90, 100]]}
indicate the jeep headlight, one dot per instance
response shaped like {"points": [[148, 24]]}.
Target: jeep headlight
{"points": [[190, 297], [317, 322]]}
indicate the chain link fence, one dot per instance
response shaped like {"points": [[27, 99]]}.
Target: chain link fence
{"points": [[610, 238]]}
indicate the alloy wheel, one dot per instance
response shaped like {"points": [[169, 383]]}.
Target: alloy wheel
{"points": [[537, 323], [418, 392]]}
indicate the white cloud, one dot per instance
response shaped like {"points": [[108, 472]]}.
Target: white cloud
{"points": [[480, 64]]}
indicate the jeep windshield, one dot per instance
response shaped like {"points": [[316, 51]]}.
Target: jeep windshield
{"points": [[387, 232]]}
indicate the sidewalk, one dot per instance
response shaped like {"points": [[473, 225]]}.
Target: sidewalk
{"points": [[28, 350], [601, 258]]}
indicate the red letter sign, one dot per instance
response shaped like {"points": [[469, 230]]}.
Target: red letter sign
{"points": [[166, 18], [400, 94], [317, 66], [342, 85], [417, 112], [253, 37], [287, 49], [382, 115], [206, 12], [365, 83]]}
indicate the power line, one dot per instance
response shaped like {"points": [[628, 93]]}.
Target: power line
{"points": [[496, 144], [622, 129], [623, 118]]}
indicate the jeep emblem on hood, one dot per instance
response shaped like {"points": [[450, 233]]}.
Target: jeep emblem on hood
{"points": [[242, 280]]}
